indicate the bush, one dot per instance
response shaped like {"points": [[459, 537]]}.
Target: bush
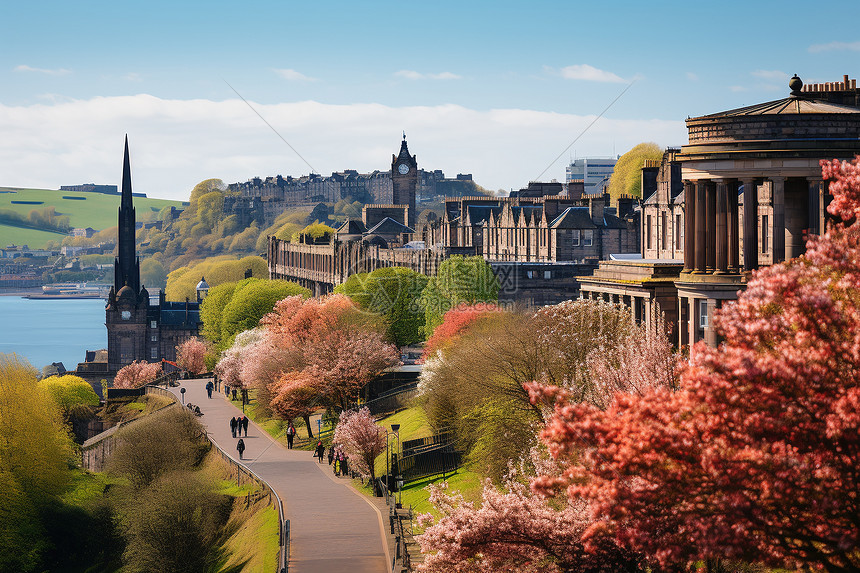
{"points": [[169, 440], [175, 525]]}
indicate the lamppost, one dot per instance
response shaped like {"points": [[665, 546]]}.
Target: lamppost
{"points": [[398, 480]]}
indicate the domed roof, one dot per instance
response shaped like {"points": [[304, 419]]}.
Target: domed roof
{"points": [[202, 285], [126, 293]]}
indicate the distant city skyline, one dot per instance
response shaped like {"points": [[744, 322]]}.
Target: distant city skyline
{"points": [[497, 89]]}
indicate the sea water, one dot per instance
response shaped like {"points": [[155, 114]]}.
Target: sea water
{"points": [[52, 330]]}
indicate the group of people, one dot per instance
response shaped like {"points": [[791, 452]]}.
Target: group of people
{"points": [[237, 425], [336, 458]]}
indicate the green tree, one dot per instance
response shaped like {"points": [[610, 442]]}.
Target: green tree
{"points": [[458, 281], [153, 273], [35, 450], [253, 299], [627, 177], [202, 188], [212, 310], [392, 292], [70, 392]]}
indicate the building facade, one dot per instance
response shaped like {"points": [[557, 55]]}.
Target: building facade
{"points": [[139, 329], [743, 193], [594, 172]]}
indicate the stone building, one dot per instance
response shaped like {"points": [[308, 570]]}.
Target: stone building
{"points": [[139, 329], [743, 193]]}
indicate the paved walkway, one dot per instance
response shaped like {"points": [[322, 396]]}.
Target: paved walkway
{"points": [[333, 527]]}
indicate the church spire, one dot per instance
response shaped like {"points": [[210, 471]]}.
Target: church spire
{"points": [[126, 267]]}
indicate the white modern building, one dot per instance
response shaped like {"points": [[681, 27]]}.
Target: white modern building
{"points": [[594, 171]]}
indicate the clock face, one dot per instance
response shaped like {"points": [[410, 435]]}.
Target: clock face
{"points": [[403, 169], [126, 314]]}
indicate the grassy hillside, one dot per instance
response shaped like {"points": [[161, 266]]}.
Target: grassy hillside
{"points": [[84, 210]]}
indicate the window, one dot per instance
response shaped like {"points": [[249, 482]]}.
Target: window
{"points": [[154, 338], [663, 242], [153, 324], [678, 232], [153, 353], [764, 233], [703, 314], [574, 237], [648, 232], [588, 237], [547, 275]]}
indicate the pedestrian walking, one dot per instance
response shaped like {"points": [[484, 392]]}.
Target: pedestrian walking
{"points": [[233, 424], [227, 390], [245, 422], [209, 387], [240, 446], [331, 454], [320, 450], [234, 393], [345, 463], [291, 433]]}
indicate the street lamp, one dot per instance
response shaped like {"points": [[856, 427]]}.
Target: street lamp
{"points": [[398, 482]]}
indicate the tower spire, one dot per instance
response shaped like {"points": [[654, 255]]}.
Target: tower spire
{"points": [[127, 270]]}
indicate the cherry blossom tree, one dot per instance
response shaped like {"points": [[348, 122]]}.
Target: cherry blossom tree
{"points": [[295, 395], [191, 355], [756, 457], [455, 323], [337, 345], [138, 373], [515, 530], [361, 439]]}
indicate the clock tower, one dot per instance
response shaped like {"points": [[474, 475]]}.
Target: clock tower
{"points": [[404, 177]]}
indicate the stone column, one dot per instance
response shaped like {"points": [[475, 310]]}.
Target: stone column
{"points": [[689, 226], [722, 255], [711, 226], [816, 215], [750, 225], [710, 332], [734, 236], [701, 236], [778, 190]]}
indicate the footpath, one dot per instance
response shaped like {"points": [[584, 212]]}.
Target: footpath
{"points": [[333, 528]]}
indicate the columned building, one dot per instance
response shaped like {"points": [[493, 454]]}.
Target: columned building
{"points": [[750, 192], [753, 192]]}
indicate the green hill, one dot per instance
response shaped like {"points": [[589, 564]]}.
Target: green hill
{"points": [[94, 210]]}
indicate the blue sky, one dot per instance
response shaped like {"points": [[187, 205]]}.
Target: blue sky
{"points": [[498, 89]]}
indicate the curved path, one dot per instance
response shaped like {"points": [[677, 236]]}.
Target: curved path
{"points": [[332, 527]]}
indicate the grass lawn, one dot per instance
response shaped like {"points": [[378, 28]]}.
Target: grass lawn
{"points": [[85, 486], [94, 210], [30, 237]]}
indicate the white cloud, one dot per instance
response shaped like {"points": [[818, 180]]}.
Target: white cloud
{"points": [[57, 72], [132, 77], [692, 77], [770, 74], [177, 143], [413, 75], [835, 47], [590, 73], [294, 76]]}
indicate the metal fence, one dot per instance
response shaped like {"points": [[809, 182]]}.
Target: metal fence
{"points": [[96, 450], [428, 462]]}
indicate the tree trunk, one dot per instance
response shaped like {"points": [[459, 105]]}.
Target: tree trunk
{"points": [[307, 419]]}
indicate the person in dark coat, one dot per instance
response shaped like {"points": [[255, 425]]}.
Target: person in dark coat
{"points": [[291, 433], [331, 454], [240, 446], [233, 424], [245, 425], [320, 450], [344, 465], [209, 387]]}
